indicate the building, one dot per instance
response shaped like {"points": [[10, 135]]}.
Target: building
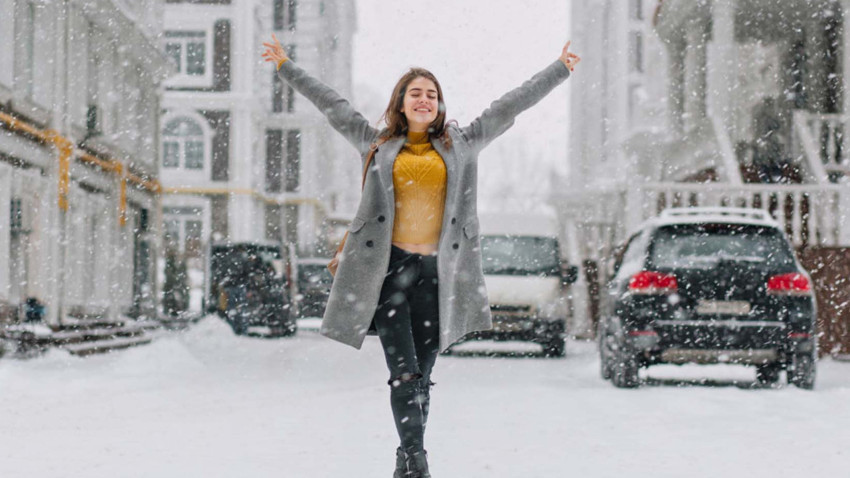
{"points": [[243, 158], [721, 102], [79, 119]]}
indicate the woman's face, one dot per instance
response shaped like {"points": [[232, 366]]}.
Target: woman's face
{"points": [[421, 104]]}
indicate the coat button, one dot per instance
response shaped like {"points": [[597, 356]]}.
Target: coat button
{"points": [[381, 219], [369, 243], [454, 220], [455, 245]]}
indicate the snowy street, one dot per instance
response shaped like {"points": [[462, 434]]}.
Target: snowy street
{"points": [[208, 403]]}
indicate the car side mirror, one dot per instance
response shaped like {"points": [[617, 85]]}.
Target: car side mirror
{"points": [[569, 274]]}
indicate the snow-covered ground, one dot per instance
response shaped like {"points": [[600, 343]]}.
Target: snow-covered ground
{"points": [[208, 403]]}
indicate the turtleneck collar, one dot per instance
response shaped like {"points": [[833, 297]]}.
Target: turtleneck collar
{"points": [[417, 138]]}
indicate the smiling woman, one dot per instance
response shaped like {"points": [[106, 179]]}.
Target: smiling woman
{"points": [[411, 266]]}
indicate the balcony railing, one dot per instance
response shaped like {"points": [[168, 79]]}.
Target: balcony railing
{"points": [[822, 141], [810, 214]]}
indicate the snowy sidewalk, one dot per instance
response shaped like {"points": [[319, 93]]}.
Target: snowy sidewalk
{"points": [[208, 403]]}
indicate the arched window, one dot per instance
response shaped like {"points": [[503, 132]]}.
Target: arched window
{"points": [[183, 144]]}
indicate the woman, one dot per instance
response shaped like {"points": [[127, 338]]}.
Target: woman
{"points": [[412, 261]]}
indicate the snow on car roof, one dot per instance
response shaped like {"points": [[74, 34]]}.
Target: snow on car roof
{"points": [[714, 215], [313, 261]]}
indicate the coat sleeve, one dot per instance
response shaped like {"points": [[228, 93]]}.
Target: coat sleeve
{"points": [[500, 116], [339, 112]]}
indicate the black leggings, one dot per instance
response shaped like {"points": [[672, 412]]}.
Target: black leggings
{"points": [[407, 320]]}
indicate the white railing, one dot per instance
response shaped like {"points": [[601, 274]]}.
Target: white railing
{"points": [[811, 214], [822, 140]]}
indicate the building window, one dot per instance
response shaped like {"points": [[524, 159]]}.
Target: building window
{"points": [[183, 144], [290, 223], [284, 14], [279, 173], [293, 160], [274, 231], [274, 160], [172, 234], [187, 51], [194, 238], [636, 51], [184, 230], [636, 9], [25, 77]]}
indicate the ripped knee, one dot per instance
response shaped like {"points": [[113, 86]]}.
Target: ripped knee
{"points": [[404, 378]]}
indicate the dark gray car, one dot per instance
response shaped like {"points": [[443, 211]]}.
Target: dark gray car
{"points": [[709, 286], [313, 286]]}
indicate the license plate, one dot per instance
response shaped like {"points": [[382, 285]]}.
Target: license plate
{"points": [[723, 307], [506, 325]]}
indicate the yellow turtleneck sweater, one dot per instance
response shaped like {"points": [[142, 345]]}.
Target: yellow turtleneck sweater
{"points": [[419, 180]]}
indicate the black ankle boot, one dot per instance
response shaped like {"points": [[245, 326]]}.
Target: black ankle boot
{"points": [[400, 463], [416, 464]]}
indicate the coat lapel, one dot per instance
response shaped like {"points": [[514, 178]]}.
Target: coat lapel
{"points": [[448, 159], [386, 155]]}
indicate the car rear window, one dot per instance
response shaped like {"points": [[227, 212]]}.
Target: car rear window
{"points": [[519, 255], [317, 274], [705, 245]]}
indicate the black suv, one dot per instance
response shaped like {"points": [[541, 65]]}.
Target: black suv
{"points": [[247, 285], [708, 285], [313, 282]]}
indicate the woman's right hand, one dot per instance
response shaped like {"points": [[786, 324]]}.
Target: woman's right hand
{"points": [[569, 58], [274, 52]]}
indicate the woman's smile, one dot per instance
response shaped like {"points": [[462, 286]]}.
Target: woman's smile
{"points": [[420, 104]]}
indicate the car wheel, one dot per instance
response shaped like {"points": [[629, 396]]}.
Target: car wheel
{"points": [[285, 328], [625, 372], [556, 348], [768, 373], [802, 371], [238, 328]]}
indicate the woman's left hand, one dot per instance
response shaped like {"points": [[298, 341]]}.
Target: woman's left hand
{"points": [[568, 58], [274, 52]]}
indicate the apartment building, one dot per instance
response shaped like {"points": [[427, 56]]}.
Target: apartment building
{"points": [[79, 115], [243, 158]]}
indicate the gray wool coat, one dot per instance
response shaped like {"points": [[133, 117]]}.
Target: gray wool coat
{"points": [[363, 264]]}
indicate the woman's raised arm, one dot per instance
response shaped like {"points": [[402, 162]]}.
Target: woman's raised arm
{"points": [[339, 112], [500, 116]]}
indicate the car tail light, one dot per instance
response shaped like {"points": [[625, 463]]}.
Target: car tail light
{"points": [[650, 282], [643, 333], [789, 284], [799, 335]]}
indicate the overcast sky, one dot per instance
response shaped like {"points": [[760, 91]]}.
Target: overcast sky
{"points": [[479, 50]]}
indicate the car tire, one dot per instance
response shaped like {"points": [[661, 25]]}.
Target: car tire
{"points": [[768, 374], [239, 328], [625, 372], [285, 328], [802, 371], [557, 348]]}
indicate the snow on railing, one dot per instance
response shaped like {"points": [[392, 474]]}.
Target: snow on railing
{"points": [[822, 141], [810, 214]]}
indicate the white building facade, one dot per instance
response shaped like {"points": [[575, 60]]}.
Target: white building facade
{"points": [[714, 103], [79, 102], [242, 157]]}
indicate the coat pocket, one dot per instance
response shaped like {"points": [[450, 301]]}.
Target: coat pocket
{"points": [[356, 224], [470, 229]]}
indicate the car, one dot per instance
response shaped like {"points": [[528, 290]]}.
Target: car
{"points": [[527, 281], [312, 286], [247, 285], [708, 285]]}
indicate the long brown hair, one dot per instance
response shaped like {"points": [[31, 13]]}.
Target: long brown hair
{"points": [[395, 119]]}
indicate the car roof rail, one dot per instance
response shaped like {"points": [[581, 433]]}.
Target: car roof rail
{"points": [[732, 212]]}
